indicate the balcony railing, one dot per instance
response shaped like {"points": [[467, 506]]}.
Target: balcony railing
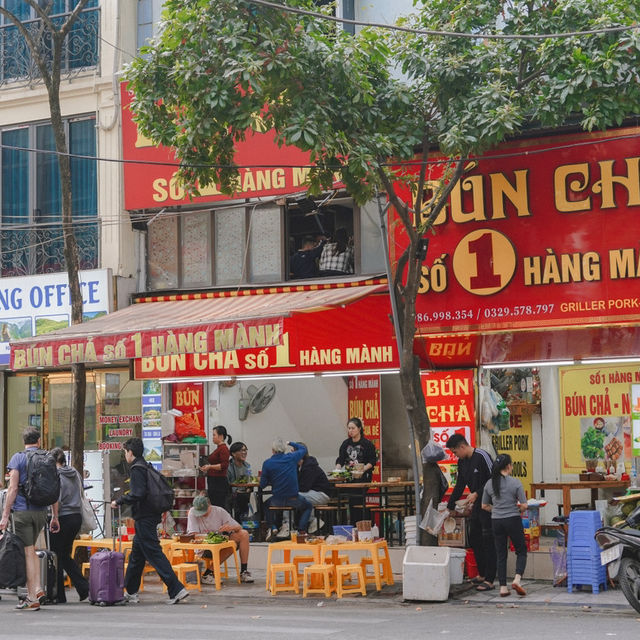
{"points": [[34, 251], [80, 50]]}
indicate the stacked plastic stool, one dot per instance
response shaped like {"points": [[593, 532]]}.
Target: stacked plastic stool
{"points": [[583, 552]]}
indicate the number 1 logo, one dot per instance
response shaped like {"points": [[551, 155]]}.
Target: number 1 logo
{"points": [[484, 262]]}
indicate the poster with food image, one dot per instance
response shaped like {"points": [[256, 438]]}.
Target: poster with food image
{"points": [[595, 407], [152, 422], [188, 397]]}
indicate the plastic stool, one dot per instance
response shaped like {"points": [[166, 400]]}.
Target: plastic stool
{"points": [[324, 571], [342, 559], [346, 571], [385, 572], [181, 570], [298, 560], [290, 582]]}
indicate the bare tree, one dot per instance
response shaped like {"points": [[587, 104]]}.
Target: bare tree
{"points": [[46, 45]]}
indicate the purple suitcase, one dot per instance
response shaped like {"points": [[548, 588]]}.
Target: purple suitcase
{"points": [[106, 578]]}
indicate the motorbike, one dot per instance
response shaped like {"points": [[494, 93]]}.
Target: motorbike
{"points": [[621, 554]]}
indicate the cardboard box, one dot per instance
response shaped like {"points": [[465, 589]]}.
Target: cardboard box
{"points": [[459, 537]]}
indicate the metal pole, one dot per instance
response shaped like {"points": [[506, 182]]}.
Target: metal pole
{"points": [[396, 325]]}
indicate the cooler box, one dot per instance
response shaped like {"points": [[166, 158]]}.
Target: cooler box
{"points": [[425, 573], [457, 559]]}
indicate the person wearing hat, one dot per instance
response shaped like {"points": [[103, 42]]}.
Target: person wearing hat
{"points": [[204, 517]]}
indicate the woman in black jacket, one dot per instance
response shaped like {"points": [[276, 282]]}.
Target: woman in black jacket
{"points": [[359, 455]]}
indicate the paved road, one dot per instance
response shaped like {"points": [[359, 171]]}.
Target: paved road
{"points": [[282, 618]]}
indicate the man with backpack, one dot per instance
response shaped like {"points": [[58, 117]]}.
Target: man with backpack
{"points": [[33, 485], [148, 504]]}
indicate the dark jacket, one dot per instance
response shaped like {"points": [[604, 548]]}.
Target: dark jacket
{"points": [[473, 472], [362, 451], [138, 492], [312, 478]]}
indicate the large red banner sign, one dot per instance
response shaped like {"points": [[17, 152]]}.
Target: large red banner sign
{"points": [[541, 233], [358, 337], [150, 170]]}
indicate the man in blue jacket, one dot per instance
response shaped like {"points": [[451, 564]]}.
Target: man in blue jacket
{"points": [[281, 472]]}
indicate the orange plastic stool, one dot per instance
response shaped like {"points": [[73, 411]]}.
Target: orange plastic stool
{"points": [[326, 572], [298, 560], [346, 571], [290, 582], [181, 570]]}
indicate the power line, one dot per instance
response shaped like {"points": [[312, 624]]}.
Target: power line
{"points": [[392, 164], [448, 34]]}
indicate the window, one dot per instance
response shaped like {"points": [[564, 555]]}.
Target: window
{"points": [[230, 246], [31, 237], [80, 50], [148, 19]]}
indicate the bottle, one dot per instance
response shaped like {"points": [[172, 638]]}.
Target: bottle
{"points": [[375, 533], [633, 474]]}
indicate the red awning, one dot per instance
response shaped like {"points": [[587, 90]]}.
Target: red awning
{"points": [[184, 326]]}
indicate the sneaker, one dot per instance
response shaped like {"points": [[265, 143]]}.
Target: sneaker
{"points": [[131, 598], [316, 525], [181, 595], [27, 605], [245, 576], [284, 531], [207, 578], [271, 534], [41, 597]]}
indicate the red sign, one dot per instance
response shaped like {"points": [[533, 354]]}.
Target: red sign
{"points": [[358, 337], [364, 403], [540, 233], [136, 344], [450, 401], [150, 170], [188, 397]]}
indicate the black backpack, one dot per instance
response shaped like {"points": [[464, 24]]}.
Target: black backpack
{"points": [[42, 487], [159, 493]]}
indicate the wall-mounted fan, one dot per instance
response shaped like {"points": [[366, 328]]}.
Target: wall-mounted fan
{"points": [[256, 399]]}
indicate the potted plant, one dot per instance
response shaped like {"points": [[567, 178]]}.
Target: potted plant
{"points": [[592, 443]]}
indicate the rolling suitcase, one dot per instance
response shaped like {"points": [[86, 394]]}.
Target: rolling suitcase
{"points": [[106, 577]]}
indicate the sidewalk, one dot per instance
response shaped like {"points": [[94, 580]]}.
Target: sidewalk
{"points": [[540, 593]]}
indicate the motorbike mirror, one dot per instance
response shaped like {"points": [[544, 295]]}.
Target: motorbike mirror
{"points": [[633, 518]]}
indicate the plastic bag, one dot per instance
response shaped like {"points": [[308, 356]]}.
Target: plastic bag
{"points": [[432, 452], [559, 561], [433, 519]]}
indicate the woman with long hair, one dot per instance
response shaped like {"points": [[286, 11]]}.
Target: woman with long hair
{"points": [[217, 466], [360, 456], [504, 498], [70, 518]]}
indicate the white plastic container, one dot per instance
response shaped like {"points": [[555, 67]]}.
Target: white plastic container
{"points": [[457, 558], [425, 573]]}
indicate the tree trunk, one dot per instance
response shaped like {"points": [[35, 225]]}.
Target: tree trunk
{"points": [[78, 399]]}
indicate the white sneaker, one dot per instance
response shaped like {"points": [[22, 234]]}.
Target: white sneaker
{"points": [[131, 598], [284, 531], [181, 595], [208, 578], [271, 534], [245, 576], [316, 525]]}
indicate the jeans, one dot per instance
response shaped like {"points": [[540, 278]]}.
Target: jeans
{"points": [[303, 511], [483, 545], [240, 505], [146, 548], [62, 543], [504, 528]]}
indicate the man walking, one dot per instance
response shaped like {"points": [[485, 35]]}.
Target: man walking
{"points": [[474, 470], [281, 472], [146, 545], [29, 520]]}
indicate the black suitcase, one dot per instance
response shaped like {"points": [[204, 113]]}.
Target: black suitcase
{"points": [[48, 561]]}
